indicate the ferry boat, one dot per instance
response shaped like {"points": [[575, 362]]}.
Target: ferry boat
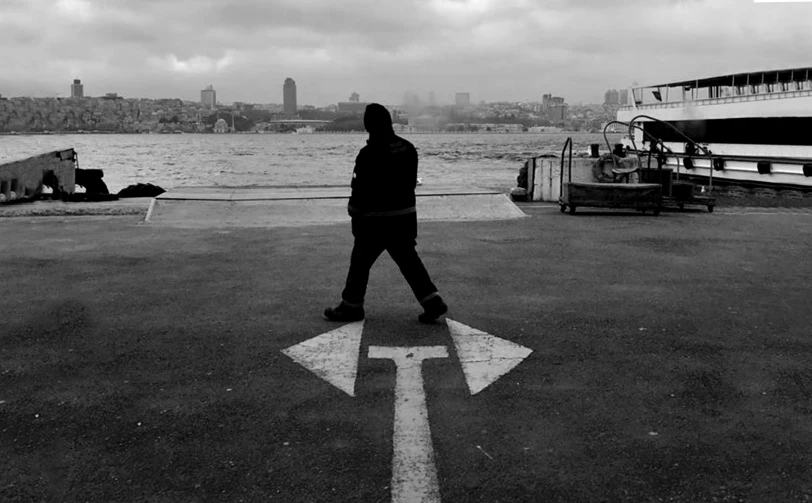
{"points": [[757, 127]]}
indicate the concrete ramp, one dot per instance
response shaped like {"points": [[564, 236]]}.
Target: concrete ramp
{"points": [[296, 206]]}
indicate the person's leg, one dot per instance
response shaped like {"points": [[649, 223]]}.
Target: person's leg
{"points": [[402, 248], [412, 268], [365, 251]]}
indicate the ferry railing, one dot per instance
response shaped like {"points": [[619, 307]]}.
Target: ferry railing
{"points": [[720, 101], [707, 152], [645, 133], [567, 143]]}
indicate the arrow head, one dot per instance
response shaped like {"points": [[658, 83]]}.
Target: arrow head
{"points": [[484, 357], [333, 356]]}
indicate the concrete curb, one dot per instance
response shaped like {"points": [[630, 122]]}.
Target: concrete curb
{"points": [[128, 206]]}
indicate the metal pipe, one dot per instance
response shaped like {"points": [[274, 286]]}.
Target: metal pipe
{"points": [[561, 171]]}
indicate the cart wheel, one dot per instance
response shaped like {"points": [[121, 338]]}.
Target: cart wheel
{"points": [[572, 209], [710, 208], [681, 206], [563, 208]]}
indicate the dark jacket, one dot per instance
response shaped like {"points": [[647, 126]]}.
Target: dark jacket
{"points": [[385, 174]]}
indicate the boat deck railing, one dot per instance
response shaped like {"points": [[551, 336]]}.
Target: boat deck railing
{"points": [[720, 101]]}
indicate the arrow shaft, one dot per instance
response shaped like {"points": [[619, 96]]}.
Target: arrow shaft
{"points": [[414, 474]]}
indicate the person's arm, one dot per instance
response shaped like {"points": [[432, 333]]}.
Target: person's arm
{"points": [[356, 204], [413, 162]]}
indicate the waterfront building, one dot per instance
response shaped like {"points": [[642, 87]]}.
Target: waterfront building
{"points": [[208, 98], [77, 89], [462, 99], [289, 96], [424, 123], [221, 126], [355, 98], [352, 107]]}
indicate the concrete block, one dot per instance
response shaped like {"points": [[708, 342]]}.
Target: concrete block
{"points": [[25, 177], [293, 207]]}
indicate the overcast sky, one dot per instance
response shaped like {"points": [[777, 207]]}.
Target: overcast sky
{"points": [[494, 49]]}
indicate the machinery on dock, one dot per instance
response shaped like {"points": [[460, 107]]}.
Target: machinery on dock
{"points": [[654, 188], [639, 196]]}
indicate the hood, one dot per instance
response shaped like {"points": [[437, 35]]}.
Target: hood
{"points": [[377, 120]]}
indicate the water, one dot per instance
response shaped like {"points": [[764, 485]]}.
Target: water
{"points": [[483, 160]]}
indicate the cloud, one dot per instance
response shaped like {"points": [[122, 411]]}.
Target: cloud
{"points": [[194, 65], [78, 10], [495, 49]]}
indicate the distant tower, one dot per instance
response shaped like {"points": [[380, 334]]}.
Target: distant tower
{"points": [[208, 98], [77, 90], [355, 98], [611, 97], [462, 99], [289, 96], [411, 100]]}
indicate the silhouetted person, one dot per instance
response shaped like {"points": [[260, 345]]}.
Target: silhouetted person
{"points": [[382, 207]]}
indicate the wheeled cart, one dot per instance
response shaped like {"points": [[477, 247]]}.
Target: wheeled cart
{"points": [[638, 196], [681, 203]]}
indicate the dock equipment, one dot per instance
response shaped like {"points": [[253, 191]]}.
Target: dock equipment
{"points": [[639, 196]]}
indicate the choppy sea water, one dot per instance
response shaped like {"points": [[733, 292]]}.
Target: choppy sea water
{"points": [[482, 160]]}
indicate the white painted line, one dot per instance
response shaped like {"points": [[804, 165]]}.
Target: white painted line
{"points": [[484, 358], [414, 474], [333, 356], [149, 211]]}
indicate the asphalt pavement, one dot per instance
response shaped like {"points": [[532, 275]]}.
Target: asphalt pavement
{"points": [[670, 362]]}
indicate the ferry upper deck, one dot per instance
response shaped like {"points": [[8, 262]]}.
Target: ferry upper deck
{"points": [[732, 88]]}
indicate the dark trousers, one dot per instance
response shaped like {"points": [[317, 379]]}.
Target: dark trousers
{"points": [[398, 236]]}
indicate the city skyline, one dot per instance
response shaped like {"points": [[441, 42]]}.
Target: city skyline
{"points": [[208, 97], [512, 50]]}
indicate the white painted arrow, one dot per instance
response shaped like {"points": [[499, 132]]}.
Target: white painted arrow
{"points": [[333, 356], [484, 357], [414, 475]]}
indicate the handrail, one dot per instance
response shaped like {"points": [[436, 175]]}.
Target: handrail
{"points": [[721, 101], [646, 133], [692, 142], [567, 143]]}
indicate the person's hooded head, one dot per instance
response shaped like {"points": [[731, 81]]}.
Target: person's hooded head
{"points": [[377, 121]]}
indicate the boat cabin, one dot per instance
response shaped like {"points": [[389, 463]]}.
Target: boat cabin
{"points": [[725, 89]]}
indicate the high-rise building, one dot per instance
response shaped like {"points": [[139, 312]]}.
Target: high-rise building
{"points": [[411, 100], [557, 113], [611, 97], [289, 96], [355, 98], [208, 97], [624, 97], [462, 99], [77, 90]]}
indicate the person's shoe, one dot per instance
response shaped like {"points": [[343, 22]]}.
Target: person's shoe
{"points": [[343, 312], [433, 309]]}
